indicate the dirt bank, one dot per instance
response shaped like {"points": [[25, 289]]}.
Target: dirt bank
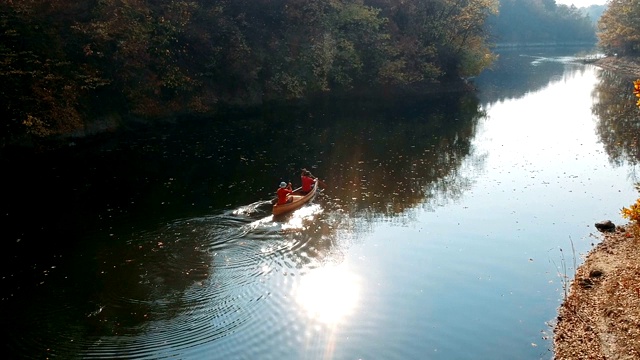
{"points": [[600, 319], [623, 65]]}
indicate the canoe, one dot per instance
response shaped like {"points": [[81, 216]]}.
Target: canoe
{"points": [[298, 201]]}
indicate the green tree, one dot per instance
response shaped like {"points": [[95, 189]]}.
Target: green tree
{"points": [[436, 40], [463, 45]]}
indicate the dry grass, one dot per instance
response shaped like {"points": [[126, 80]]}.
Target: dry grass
{"points": [[600, 318]]}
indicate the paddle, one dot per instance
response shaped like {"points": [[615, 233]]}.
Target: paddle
{"points": [[321, 183]]}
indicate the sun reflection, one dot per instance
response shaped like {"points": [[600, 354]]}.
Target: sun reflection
{"points": [[298, 217], [328, 294]]}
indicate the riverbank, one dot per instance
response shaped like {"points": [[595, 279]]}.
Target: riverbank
{"points": [[622, 65], [600, 317]]}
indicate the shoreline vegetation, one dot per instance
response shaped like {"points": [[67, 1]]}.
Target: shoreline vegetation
{"points": [[67, 63], [71, 61], [600, 316]]}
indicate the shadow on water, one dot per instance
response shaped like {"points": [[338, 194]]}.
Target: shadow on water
{"points": [[161, 239], [150, 292]]}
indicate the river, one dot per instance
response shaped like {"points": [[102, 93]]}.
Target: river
{"points": [[448, 228]]}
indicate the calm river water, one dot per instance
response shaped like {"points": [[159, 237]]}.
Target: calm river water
{"points": [[444, 231]]}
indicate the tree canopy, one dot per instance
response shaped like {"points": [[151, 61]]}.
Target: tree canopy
{"points": [[64, 60], [619, 28]]}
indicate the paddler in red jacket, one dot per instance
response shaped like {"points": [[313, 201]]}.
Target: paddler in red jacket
{"points": [[308, 181], [284, 190]]}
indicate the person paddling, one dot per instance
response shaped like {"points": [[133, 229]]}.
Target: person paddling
{"points": [[308, 181], [283, 191]]}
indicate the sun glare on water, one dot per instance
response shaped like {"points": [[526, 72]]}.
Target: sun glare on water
{"points": [[328, 294], [298, 218]]}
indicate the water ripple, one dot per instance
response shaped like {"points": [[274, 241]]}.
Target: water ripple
{"points": [[166, 291]]}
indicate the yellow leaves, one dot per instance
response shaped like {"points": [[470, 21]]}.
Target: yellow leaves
{"points": [[632, 212], [636, 91], [619, 27], [36, 126]]}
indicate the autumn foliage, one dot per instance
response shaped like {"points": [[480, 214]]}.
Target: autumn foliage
{"points": [[636, 91], [619, 28], [65, 61]]}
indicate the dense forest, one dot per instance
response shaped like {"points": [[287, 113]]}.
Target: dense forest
{"points": [[62, 60], [68, 63]]}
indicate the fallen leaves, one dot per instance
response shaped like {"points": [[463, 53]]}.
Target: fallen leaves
{"points": [[600, 319]]}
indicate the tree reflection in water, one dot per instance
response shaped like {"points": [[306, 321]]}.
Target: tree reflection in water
{"points": [[397, 158], [618, 118], [168, 238]]}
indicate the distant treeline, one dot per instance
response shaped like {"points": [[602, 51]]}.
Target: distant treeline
{"points": [[541, 21], [64, 62]]}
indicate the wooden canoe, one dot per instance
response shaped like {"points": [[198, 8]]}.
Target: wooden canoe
{"points": [[298, 201]]}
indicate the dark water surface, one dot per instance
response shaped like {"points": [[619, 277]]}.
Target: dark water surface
{"points": [[444, 231]]}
